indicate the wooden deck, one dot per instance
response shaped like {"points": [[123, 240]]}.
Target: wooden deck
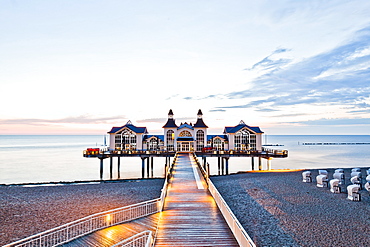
{"points": [[191, 216], [114, 234]]}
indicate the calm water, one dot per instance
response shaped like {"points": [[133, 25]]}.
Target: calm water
{"points": [[26, 159]]}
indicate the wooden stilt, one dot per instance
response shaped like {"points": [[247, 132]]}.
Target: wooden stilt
{"points": [[222, 166], [101, 169], [252, 162], [142, 167], [119, 167], [218, 164], [259, 163], [227, 165], [111, 168], [269, 163]]}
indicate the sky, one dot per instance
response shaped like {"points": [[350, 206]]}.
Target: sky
{"points": [[82, 67]]}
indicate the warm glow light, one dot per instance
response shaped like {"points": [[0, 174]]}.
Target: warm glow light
{"points": [[108, 218]]}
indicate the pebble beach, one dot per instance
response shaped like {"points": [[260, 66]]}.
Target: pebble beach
{"points": [[25, 211], [278, 209]]}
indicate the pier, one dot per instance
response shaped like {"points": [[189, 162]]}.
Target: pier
{"points": [[147, 158], [190, 212]]}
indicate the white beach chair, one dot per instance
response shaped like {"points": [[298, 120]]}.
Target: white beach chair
{"points": [[323, 172], [339, 171], [356, 170], [340, 177], [307, 176], [322, 180], [334, 186], [356, 180], [353, 192], [368, 172], [367, 185]]}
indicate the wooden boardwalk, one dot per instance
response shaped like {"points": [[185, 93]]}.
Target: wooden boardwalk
{"points": [[191, 216], [114, 234]]}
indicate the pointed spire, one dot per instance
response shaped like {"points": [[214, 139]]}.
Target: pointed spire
{"points": [[200, 114], [170, 114]]}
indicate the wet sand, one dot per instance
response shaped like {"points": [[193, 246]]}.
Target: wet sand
{"points": [[278, 209], [25, 211]]}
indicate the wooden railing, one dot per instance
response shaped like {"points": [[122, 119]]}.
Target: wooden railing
{"points": [[142, 239], [78, 228], [81, 227], [237, 229]]}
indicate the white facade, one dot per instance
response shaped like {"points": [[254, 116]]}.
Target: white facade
{"points": [[186, 137]]}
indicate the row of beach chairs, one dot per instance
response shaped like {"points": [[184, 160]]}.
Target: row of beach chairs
{"points": [[337, 183]]}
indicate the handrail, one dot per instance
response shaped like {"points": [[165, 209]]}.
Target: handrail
{"points": [[142, 239], [237, 229], [81, 227]]}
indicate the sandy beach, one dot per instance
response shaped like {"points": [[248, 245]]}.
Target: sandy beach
{"points": [[278, 209], [25, 211]]}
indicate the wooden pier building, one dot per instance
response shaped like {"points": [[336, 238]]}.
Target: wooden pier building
{"points": [[240, 140]]}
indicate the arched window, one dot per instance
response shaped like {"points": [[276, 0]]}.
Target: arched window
{"points": [[200, 140], [218, 144], [153, 144], [126, 140], [242, 140], [185, 133], [170, 136]]}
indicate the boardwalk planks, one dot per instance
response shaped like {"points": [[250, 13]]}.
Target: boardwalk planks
{"points": [[191, 216]]}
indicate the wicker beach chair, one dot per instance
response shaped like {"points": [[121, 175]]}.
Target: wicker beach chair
{"points": [[353, 192], [307, 177], [334, 186], [322, 180]]}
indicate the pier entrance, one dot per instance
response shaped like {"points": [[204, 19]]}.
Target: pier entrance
{"points": [[191, 216]]}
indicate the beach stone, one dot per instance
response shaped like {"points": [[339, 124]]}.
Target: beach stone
{"points": [[25, 211], [278, 209]]}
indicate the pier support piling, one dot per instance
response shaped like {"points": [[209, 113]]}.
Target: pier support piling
{"points": [[259, 163], [252, 163], [227, 165], [119, 167], [111, 167], [143, 167], [151, 167], [101, 169]]}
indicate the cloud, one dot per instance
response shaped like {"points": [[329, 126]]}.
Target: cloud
{"points": [[337, 77], [272, 62]]}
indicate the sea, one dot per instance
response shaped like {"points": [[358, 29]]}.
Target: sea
{"points": [[59, 158]]}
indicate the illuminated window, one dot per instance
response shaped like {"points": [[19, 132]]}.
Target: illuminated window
{"points": [[185, 133], [244, 140], [200, 140], [170, 136]]}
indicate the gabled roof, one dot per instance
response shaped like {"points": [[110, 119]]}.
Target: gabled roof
{"points": [[200, 124], [210, 137], [185, 125], [170, 124], [161, 137], [129, 125], [240, 126]]}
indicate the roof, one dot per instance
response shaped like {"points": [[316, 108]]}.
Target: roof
{"points": [[170, 124], [240, 126], [170, 112], [210, 137], [200, 124], [161, 137], [185, 125], [129, 125], [185, 139]]}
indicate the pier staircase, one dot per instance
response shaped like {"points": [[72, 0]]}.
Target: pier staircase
{"points": [[190, 212]]}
